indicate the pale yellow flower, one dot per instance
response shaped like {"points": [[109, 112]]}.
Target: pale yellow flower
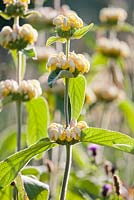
{"points": [[68, 21], [28, 33], [72, 133], [113, 14], [8, 1], [25, 1], [6, 36], [31, 89], [8, 87], [75, 62], [113, 47]]}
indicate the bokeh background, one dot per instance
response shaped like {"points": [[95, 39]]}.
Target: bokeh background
{"points": [[100, 115]]}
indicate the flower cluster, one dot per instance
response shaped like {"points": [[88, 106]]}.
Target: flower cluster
{"points": [[25, 91], [108, 93], [113, 47], [113, 16], [18, 37], [67, 24], [16, 8], [75, 63], [70, 134]]}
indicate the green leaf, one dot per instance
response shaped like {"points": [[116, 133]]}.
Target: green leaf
{"points": [[4, 15], [31, 53], [54, 76], [108, 138], [30, 170], [6, 193], [12, 165], [82, 31], [73, 195], [35, 189], [77, 95], [127, 107], [54, 39], [9, 141], [38, 119]]}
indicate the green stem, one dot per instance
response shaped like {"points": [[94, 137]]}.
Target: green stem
{"points": [[18, 67], [67, 48], [18, 102], [67, 171], [66, 102], [18, 107], [68, 146], [16, 21]]}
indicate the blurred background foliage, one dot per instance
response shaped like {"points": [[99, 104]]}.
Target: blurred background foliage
{"points": [[89, 173]]}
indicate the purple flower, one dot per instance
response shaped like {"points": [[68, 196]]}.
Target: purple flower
{"points": [[93, 148], [106, 189]]}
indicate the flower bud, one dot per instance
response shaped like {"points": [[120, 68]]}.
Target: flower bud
{"points": [[82, 125], [28, 33]]}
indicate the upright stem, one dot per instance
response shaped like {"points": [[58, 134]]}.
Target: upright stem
{"points": [[67, 48], [66, 102], [16, 21], [68, 146], [18, 67], [18, 107], [67, 171], [18, 102]]}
